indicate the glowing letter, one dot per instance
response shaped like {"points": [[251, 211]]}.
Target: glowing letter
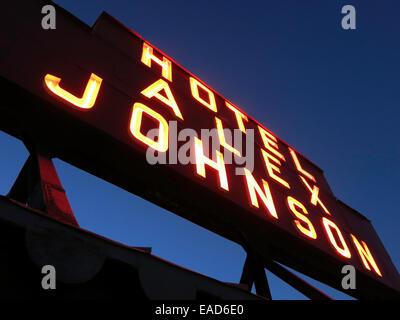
{"points": [[222, 140], [239, 116], [270, 142], [194, 87], [328, 225], [89, 96], [366, 255], [147, 56], [310, 231], [153, 91], [314, 195], [265, 196], [271, 168], [202, 160], [298, 165], [136, 121]]}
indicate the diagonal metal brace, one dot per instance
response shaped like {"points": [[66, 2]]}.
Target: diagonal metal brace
{"points": [[39, 187], [254, 272], [296, 282]]}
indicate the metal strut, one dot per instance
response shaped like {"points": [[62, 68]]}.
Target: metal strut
{"points": [[254, 272], [39, 187], [296, 282]]}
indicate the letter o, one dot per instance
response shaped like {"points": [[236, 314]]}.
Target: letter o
{"points": [[138, 111]]}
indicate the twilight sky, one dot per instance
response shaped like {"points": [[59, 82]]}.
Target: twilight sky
{"points": [[331, 93]]}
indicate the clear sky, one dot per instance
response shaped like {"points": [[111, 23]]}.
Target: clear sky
{"points": [[331, 93]]}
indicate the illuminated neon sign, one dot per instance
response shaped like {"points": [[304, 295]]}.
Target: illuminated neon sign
{"points": [[107, 111], [272, 155]]}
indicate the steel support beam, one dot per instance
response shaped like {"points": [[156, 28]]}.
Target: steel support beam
{"points": [[254, 272], [296, 282], [38, 186]]}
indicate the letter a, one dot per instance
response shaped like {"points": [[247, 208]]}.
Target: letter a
{"points": [[154, 91], [349, 20], [49, 20], [349, 280], [49, 280]]}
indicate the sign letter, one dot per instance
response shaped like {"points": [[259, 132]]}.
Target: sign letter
{"points": [[194, 87], [265, 195], [202, 160], [154, 91], [239, 116], [329, 226], [136, 122], [366, 256], [148, 56], [310, 231], [89, 96]]}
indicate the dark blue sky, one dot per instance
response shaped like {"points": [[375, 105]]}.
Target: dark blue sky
{"points": [[332, 94]]}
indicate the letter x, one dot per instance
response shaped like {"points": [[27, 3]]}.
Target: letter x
{"points": [[314, 195]]}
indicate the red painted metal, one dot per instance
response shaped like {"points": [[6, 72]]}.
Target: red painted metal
{"points": [[55, 199], [39, 187]]}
